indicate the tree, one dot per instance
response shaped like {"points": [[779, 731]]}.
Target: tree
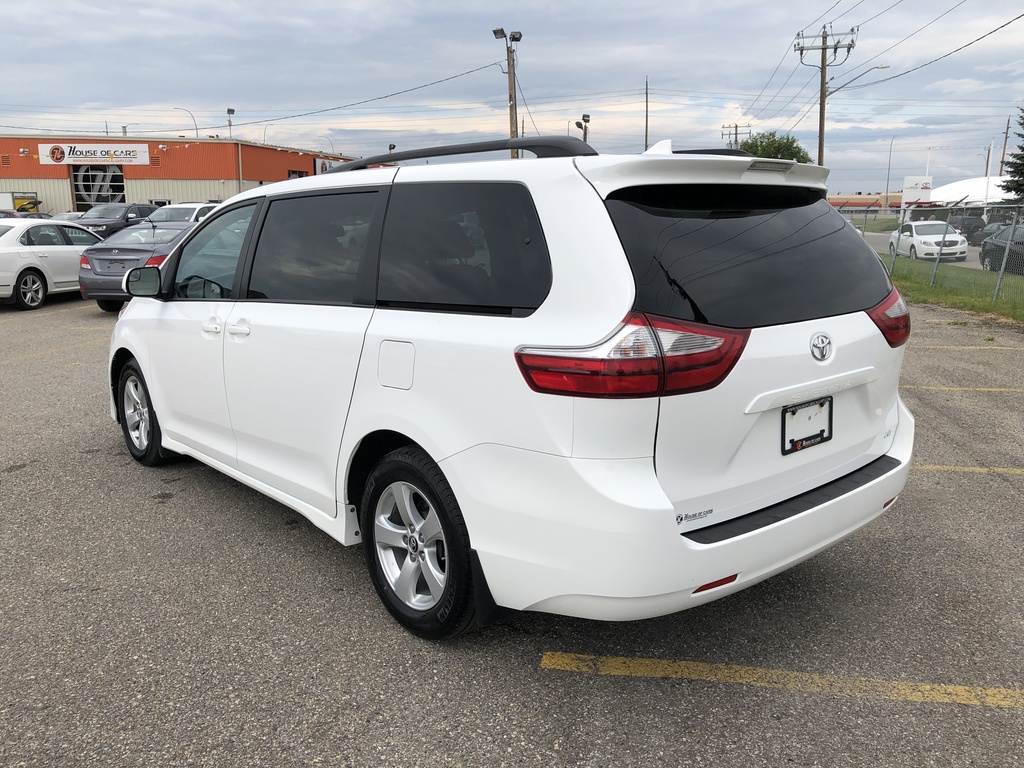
{"points": [[1015, 165], [770, 144]]}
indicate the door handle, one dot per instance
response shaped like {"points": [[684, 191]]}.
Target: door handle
{"points": [[212, 327], [239, 330]]}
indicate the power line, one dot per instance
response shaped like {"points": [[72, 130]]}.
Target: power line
{"points": [[940, 58]]}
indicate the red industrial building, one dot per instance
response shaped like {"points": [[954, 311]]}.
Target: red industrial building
{"points": [[73, 174]]}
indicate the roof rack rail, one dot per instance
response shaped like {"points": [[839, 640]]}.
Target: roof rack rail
{"points": [[541, 146]]}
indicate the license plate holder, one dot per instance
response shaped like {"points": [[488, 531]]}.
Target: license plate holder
{"points": [[806, 424]]}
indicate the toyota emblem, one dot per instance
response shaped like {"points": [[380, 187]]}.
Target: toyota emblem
{"points": [[821, 346]]}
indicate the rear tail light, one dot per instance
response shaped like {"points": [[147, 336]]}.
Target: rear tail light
{"points": [[83, 262], [156, 261], [892, 318], [649, 356]]}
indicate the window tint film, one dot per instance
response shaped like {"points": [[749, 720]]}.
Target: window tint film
{"points": [[311, 248], [470, 247], [206, 269], [744, 256]]}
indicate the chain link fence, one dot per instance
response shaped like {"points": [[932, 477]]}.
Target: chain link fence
{"points": [[926, 248]]}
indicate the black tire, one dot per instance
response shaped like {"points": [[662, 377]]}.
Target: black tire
{"points": [[414, 537], [30, 290], [139, 423], [986, 262], [892, 250], [913, 252], [110, 305]]}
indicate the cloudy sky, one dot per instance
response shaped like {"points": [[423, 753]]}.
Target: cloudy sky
{"points": [[358, 75]]}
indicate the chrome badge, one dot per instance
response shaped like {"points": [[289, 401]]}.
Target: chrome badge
{"points": [[821, 346]]}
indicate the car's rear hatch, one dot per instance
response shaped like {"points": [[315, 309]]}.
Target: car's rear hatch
{"points": [[811, 395], [117, 261]]}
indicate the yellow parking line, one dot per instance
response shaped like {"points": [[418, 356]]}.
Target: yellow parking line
{"points": [[803, 682], [54, 351], [962, 389], [975, 470]]}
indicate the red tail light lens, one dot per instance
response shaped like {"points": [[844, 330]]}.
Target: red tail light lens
{"points": [[156, 261], [648, 356], [83, 262], [892, 318]]}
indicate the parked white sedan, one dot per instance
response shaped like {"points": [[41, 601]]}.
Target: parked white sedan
{"points": [[39, 257], [928, 240]]}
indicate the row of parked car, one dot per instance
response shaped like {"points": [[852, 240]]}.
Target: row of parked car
{"points": [[90, 253], [941, 240]]}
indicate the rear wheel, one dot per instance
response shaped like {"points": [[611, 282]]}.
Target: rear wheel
{"points": [[417, 546], [30, 290], [110, 305]]}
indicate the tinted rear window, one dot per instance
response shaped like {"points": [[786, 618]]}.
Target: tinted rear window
{"points": [[744, 256], [463, 247]]}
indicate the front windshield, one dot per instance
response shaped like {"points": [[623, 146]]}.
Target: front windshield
{"points": [[103, 212], [142, 235], [934, 228], [171, 214]]}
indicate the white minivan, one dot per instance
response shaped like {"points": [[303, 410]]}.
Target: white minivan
{"points": [[611, 387]]}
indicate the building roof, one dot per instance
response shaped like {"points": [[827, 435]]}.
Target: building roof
{"points": [[979, 191]]}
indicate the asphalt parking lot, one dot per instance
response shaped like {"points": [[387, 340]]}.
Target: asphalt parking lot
{"points": [[173, 617]]}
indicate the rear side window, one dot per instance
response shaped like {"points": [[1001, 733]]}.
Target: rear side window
{"points": [[464, 247], [311, 248], [744, 256]]}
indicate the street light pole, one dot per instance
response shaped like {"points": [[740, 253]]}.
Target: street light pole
{"points": [[888, 166], [230, 113], [194, 123], [513, 118], [331, 142], [584, 125]]}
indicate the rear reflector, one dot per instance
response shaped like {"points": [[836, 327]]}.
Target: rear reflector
{"points": [[648, 356], [892, 318], [719, 583]]}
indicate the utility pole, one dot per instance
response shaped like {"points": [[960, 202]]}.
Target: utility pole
{"points": [[732, 132], [513, 120], [1006, 138], [845, 41], [646, 112]]}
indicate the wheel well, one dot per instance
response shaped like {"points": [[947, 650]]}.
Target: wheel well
{"points": [[121, 358], [371, 450]]}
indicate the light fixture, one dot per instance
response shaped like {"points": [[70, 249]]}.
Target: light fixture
{"points": [[499, 33], [22, 151], [515, 37], [162, 147]]}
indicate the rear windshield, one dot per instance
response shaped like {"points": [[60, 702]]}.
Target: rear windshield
{"points": [[141, 235], [744, 256]]}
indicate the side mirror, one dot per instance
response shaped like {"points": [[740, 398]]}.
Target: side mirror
{"points": [[142, 281]]}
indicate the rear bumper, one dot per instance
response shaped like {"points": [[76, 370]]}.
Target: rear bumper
{"points": [[599, 539], [102, 286]]}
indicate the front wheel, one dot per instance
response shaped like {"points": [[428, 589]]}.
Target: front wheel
{"points": [[139, 424], [417, 546], [913, 252], [986, 262], [30, 290], [892, 250], [110, 305]]}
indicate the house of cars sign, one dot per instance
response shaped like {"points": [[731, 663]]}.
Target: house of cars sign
{"points": [[90, 154]]}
